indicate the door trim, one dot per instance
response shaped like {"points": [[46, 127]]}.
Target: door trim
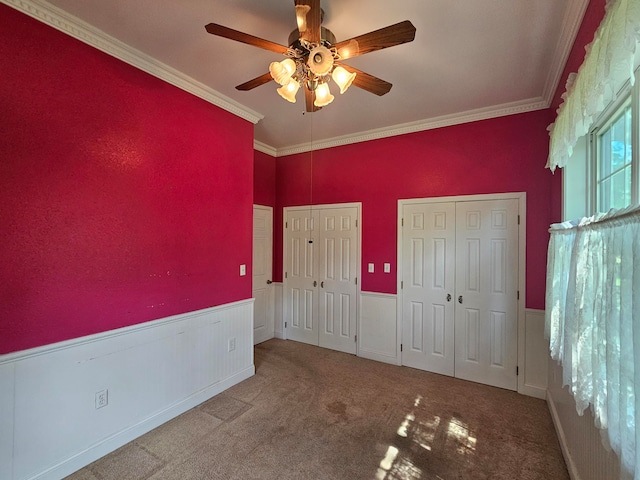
{"points": [[522, 262], [358, 207]]}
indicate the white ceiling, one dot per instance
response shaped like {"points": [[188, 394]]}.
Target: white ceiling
{"points": [[469, 60]]}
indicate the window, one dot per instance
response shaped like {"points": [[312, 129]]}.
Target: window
{"points": [[613, 161], [604, 170]]}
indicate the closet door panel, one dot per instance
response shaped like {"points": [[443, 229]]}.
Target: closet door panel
{"points": [[428, 286], [337, 276], [486, 292], [301, 265]]}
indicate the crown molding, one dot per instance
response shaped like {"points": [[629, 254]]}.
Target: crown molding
{"points": [[571, 23], [264, 148], [476, 115], [76, 28]]}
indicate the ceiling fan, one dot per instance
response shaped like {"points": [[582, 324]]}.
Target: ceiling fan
{"points": [[314, 57]]}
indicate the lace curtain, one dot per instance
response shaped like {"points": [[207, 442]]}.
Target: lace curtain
{"points": [[608, 63], [593, 322]]}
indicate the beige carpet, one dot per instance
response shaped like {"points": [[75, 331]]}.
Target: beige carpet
{"points": [[312, 413]]}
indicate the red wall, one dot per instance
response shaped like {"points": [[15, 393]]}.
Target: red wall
{"points": [[122, 199], [505, 154], [264, 179]]}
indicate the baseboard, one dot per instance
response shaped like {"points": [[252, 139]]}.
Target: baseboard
{"points": [[571, 467], [123, 437]]}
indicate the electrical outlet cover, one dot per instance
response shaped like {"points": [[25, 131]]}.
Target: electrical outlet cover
{"points": [[102, 398]]}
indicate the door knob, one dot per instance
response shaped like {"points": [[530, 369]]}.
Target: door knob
{"points": [[269, 282], [448, 297], [322, 284], [315, 284], [460, 299]]}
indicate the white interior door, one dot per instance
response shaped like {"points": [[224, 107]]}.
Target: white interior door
{"points": [[487, 292], [262, 289], [338, 251], [428, 246], [301, 263]]}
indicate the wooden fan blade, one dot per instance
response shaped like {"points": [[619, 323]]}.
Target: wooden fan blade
{"points": [[256, 82], [368, 82], [310, 30], [231, 34], [386, 37], [309, 97]]}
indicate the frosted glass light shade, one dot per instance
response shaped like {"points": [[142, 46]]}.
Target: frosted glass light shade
{"points": [[323, 95], [288, 91], [320, 60], [343, 78], [301, 17], [281, 71]]}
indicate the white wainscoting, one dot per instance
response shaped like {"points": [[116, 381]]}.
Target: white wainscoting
{"points": [[49, 426], [278, 316], [532, 380], [580, 440], [379, 333]]}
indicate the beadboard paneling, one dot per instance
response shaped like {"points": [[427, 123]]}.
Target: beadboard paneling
{"points": [[379, 337], [533, 372], [580, 440]]}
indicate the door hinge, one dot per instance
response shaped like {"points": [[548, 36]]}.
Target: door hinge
{"points": [[518, 219], [401, 284], [402, 222], [285, 274], [286, 224], [285, 324], [355, 339], [356, 279], [518, 295], [517, 371], [400, 347], [356, 223]]}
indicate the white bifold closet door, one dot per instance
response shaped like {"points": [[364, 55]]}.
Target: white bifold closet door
{"points": [[320, 285], [429, 236], [460, 289]]}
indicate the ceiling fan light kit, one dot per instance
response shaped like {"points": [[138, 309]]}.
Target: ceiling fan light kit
{"points": [[313, 55], [288, 91], [343, 78], [282, 71], [323, 95], [301, 17]]}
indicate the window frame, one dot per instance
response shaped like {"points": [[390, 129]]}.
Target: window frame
{"points": [[627, 96]]}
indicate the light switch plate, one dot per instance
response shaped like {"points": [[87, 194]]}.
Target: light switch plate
{"points": [[371, 268], [243, 270], [387, 268]]}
